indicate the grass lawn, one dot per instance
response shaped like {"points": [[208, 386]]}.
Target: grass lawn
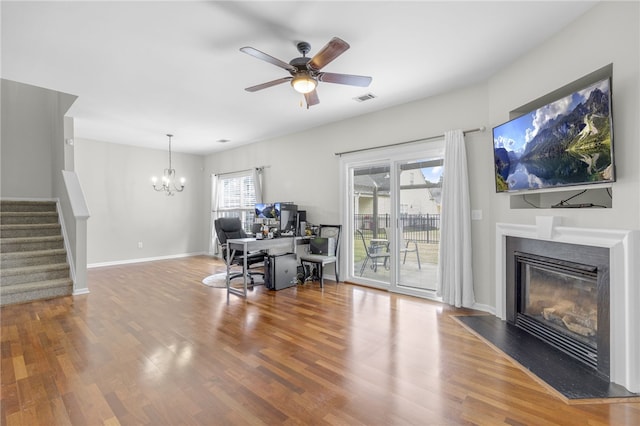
{"points": [[428, 251]]}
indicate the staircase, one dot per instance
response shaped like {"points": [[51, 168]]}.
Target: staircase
{"points": [[33, 260]]}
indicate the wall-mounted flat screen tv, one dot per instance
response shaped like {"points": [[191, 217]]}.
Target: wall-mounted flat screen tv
{"points": [[267, 210], [564, 143]]}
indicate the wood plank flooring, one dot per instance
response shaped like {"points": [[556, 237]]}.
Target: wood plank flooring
{"points": [[151, 345]]}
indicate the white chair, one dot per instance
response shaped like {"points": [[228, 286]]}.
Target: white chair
{"points": [[321, 260]]}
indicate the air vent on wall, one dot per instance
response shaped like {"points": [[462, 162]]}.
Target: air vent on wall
{"points": [[363, 98]]}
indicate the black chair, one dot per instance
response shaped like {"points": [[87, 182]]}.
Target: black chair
{"points": [[320, 260], [373, 255], [228, 228]]}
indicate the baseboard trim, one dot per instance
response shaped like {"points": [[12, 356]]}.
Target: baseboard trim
{"points": [[145, 259], [27, 199], [484, 308]]}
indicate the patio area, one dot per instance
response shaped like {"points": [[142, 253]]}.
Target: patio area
{"points": [[411, 276]]}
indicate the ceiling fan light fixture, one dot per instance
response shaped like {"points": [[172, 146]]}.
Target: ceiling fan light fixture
{"points": [[304, 83]]}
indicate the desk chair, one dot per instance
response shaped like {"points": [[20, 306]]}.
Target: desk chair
{"points": [[320, 260], [228, 228], [373, 255]]}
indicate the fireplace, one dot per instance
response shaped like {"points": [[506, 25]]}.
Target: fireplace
{"points": [[560, 294], [622, 312]]}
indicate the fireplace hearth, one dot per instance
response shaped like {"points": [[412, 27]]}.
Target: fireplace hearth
{"points": [[560, 295]]}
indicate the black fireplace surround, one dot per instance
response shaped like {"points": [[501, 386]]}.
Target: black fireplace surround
{"points": [[559, 293]]}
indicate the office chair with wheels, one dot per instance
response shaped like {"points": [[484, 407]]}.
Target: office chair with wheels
{"points": [[230, 228]]}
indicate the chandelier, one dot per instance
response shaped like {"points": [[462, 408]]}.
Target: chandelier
{"points": [[168, 178]]}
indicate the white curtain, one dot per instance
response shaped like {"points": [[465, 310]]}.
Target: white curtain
{"points": [[456, 278], [213, 248], [257, 183]]}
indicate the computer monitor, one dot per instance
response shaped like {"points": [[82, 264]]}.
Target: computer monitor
{"points": [[267, 210], [288, 217]]}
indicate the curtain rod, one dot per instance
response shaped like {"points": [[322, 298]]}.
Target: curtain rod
{"points": [[260, 168], [339, 154]]}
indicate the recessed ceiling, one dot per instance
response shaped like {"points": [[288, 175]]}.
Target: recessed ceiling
{"points": [[142, 69]]}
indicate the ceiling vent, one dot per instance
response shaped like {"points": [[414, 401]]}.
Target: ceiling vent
{"points": [[366, 97]]}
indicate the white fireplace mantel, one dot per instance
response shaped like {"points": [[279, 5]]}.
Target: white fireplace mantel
{"points": [[624, 289]]}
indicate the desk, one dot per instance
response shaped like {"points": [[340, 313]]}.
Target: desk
{"points": [[252, 244]]}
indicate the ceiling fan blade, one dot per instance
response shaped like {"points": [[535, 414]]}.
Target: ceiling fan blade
{"points": [[268, 84], [267, 58], [328, 53], [349, 79], [311, 98]]}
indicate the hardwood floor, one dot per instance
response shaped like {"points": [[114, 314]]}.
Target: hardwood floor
{"points": [[151, 345]]}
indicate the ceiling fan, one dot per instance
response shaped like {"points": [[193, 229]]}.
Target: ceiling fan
{"points": [[305, 72]]}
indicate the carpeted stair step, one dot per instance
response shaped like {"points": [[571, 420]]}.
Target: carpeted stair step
{"points": [[8, 245], [23, 218], [29, 274], [30, 230], [27, 206], [32, 258], [19, 293]]}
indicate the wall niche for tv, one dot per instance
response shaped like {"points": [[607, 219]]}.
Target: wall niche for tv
{"points": [[584, 195]]}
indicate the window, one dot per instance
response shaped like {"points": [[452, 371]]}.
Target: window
{"points": [[237, 197]]}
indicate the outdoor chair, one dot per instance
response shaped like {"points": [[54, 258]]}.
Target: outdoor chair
{"points": [[373, 254], [404, 245]]}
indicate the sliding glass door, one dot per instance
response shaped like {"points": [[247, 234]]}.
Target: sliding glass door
{"points": [[416, 236], [392, 216], [371, 216]]}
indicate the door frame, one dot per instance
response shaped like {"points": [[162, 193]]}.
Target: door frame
{"points": [[393, 157]]}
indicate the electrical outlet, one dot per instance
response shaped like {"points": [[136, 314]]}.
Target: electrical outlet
{"points": [[139, 244]]}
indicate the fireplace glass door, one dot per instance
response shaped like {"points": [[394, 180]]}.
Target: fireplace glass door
{"points": [[558, 302], [564, 302], [559, 293]]}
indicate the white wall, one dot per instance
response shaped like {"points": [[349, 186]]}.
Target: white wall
{"points": [[126, 210], [32, 140], [303, 168]]}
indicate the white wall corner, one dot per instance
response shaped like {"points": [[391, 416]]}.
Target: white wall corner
{"points": [[501, 282], [633, 302]]}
